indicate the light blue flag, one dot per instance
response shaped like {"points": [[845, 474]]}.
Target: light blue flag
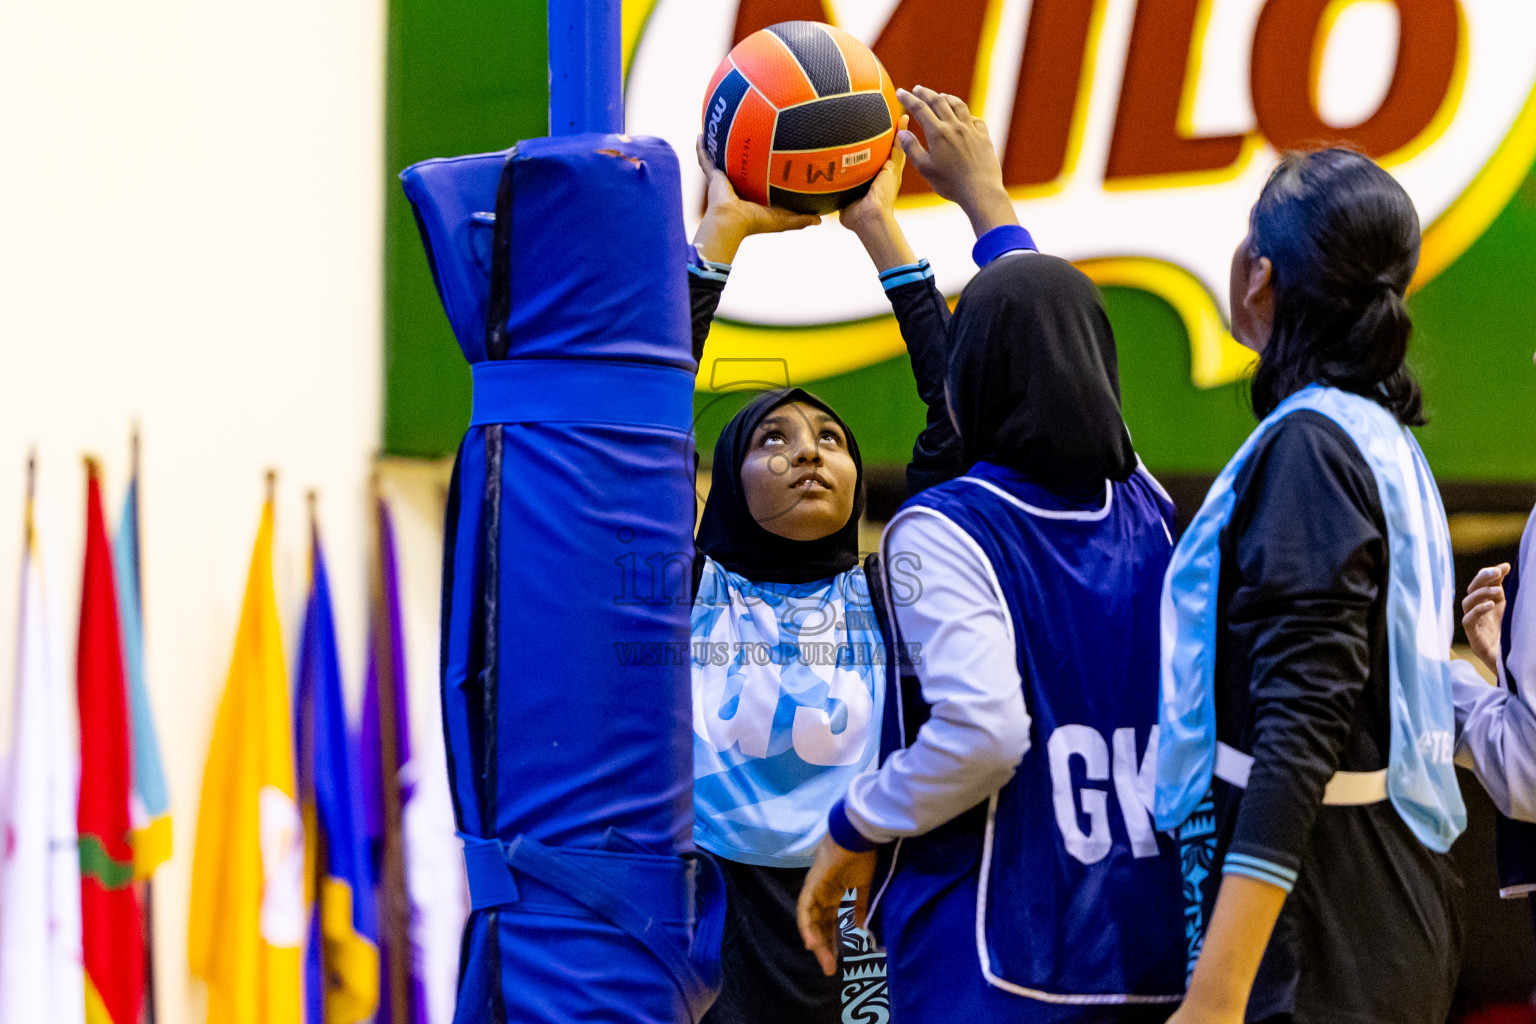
{"points": [[150, 810]]}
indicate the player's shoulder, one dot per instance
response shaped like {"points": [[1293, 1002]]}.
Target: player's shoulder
{"points": [[1308, 464], [1307, 442]]}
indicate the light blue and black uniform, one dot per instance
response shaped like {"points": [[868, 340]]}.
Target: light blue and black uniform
{"points": [[1307, 629], [788, 694]]}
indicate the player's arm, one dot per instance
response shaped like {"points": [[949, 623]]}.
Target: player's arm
{"points": [[873, 216], [1496, 741], [728, 221], [959, 161], [971, 745], [962, 166], [1245, 915], [921, 313]]}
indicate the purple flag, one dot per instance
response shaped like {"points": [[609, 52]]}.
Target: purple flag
{"points": [[388, 782]]}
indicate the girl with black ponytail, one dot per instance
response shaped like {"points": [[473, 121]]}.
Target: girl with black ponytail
{"points": [[1311, 712], [1331, 248]]}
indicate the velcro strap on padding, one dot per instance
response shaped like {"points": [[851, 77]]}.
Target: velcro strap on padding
{"points": [[1345, 789], [582, 391], [637, 893]]}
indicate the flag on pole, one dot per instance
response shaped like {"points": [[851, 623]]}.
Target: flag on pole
{"points": [[341, 967], [112, 941], [428, 917], [434, 869], [150, 807], [388, 779], [40, 970], [247, 925]]}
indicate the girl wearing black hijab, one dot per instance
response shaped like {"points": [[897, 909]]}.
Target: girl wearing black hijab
{"points": [[788, 655], [1028, 882]]}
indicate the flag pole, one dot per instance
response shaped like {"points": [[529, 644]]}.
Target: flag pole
{"points": [[312, 506], [31, 495], [394, 900], [148, 909]]}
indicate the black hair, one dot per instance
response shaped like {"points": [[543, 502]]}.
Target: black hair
{"points": [[1342, 239]]}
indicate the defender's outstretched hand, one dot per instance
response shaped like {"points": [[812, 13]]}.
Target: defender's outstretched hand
{"points": [[728, 218], [959, 161], [1484, 614]]}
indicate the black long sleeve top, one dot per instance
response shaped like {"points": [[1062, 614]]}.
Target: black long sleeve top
{"points": [[1370, 932]]}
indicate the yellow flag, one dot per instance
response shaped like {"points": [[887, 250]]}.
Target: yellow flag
{"points": [[248, 920]]}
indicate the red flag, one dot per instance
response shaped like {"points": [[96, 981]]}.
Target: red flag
{"points": [[113, 943]]}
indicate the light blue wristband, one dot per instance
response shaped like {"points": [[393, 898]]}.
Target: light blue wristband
{"points": [[907, 273]]}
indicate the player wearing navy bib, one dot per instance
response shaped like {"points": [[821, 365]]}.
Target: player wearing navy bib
{"points": [[1014, 800]]}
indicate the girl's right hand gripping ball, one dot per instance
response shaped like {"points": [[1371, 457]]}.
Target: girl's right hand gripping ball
{"points": [[800, 116]]}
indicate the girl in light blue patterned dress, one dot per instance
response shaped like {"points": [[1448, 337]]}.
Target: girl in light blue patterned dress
{"points": [[788, 690], [789, 674]]}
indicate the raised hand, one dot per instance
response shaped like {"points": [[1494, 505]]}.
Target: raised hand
{"points": [[873, 217], [1484, 614], [959, 161], [728, 218], [879, 202]]}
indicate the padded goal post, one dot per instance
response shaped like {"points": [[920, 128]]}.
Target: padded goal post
{"points": [[565, 687]]}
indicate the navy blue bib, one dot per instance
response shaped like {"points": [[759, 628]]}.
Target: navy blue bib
{"points": [[1079, 900]]}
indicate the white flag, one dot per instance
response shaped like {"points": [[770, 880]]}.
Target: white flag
{"points": [[41, 974], [434, 871]]}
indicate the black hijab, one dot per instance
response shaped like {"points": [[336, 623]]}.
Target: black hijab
{"points": [[1033, 381], [729, 534]]}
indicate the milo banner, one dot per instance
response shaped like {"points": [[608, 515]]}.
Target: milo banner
{"points": [[1134, 136]]}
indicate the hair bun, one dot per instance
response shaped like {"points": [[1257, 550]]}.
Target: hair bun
{"points": [[1377, 289]]}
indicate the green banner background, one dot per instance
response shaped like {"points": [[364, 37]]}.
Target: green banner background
{"points": [[470, 76]]}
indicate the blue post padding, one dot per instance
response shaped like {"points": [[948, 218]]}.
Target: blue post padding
{"points": [[566, 699], [599, 270], [585, 67]]}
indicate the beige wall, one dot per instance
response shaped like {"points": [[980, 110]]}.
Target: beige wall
{"points": [[191, 239]]}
